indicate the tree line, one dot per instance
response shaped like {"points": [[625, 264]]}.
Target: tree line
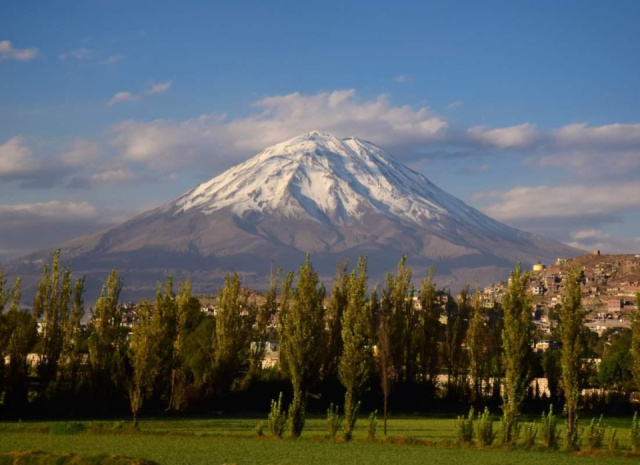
{"points": [[394, 346]]}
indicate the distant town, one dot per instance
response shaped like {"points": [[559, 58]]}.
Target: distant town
{"points": [[609, 286]]}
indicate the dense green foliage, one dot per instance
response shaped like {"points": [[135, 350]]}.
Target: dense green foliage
{"points": [[571, 325], [301, 335], [635, 344], [357, 353], [390, 348], [516, 338], [549, 430]]}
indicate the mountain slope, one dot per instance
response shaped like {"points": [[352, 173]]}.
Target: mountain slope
{"points": [[313, 193]]}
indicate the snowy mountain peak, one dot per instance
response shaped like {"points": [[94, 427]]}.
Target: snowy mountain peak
{"points": [[336, 198], [333, 181]]}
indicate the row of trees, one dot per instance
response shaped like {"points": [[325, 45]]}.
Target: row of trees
{"points": [[355, 340]]}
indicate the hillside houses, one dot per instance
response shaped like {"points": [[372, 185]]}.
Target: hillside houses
{"points": [[609, 285]]}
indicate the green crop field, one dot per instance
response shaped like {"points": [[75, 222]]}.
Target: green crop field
{"points": [[232, 441]]}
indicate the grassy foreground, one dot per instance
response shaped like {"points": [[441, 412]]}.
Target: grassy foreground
{"points": [[231, 441], [44, 458]]}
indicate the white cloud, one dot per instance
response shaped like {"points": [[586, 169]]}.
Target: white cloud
{"points": [[18, 164], [586, 165], [609, 244], [159, 88], [112, 177], [597, 239], [34, 226], [512, 137], [571, 138], [456, 104], [478, 169], [82, 153], [407, 132], [610, 136], [401, 78], [126, 96], [590, 234], [52, 208], [77, 54], [7, 51], [213, 140], [122, 97], [15, 158], [111, 60], [562, 201]]}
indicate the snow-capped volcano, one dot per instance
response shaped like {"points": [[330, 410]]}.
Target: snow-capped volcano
{"points": [[336, 198], [331, 180], [325, 178]]}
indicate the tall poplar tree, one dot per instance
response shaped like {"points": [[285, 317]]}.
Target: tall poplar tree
{"points": [[107, 339], [73, 338], [4, 332], [454, 359], [571, 319], [478, 345], [52, 303], [397, 306], [429, 330], [355, 363], [385, 361], [21, 333], [264, 315], [144, 356], [635, 343], [4, 295], [516, 341], [301, 337], [232, 333], [166, 330], [337, 302], [187, 318]]}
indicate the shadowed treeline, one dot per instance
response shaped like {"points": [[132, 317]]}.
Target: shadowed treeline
{"points": [[388, 348]]}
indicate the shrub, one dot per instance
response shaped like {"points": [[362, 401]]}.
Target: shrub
{"points": [[612, 439], [502, 433], [277, 419], [67, 428], [529, 434], [549, 430], [259, 429], [595, 434], [117, 425], [372, 425], [484, 429], [464, 428], [296, 416], [635, 433], [334, 421]]}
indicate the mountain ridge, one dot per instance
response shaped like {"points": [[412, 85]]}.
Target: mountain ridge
{"points": [[335, 198]]}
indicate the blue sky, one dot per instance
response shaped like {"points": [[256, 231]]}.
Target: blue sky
{"points": [[526, 110]]}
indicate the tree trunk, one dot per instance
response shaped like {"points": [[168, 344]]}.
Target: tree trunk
{"points": [[385, 414], [296, 414], [351, 408]]}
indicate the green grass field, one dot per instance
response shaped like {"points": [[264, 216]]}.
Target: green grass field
{"points": [[232, 441]]}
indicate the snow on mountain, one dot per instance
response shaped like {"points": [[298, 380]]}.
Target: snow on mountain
{"points": [[328, 178], [336, 198]]}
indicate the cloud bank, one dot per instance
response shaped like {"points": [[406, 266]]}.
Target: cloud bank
{"points": [[599, 165], [126, 96], [9, 52]]}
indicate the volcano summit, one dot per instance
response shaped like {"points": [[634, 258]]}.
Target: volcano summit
{"points": [[336, 198]]}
